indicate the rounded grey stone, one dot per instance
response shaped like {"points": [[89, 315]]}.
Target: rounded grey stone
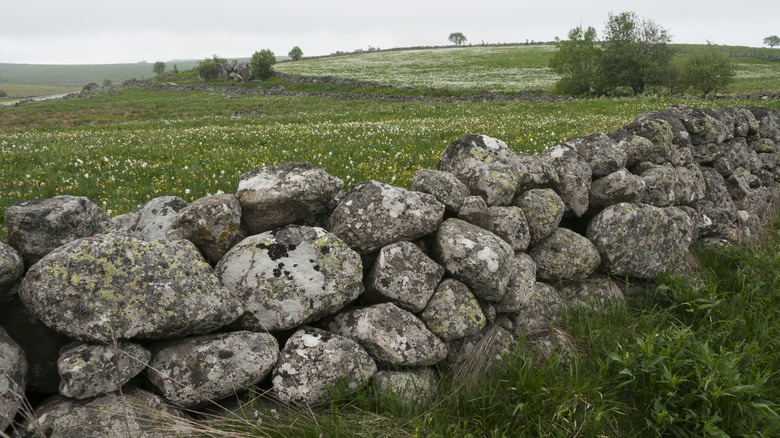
{"points": [[196, 371], [213, 224], [316, 365], [453, 312], [543, 210], [290, 276], [444, 186], [112, 286], [565, 255], [11, 270], [13, 379], [89, 370]]}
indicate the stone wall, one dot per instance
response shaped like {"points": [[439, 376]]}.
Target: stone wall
{"points": [[295, 285]]}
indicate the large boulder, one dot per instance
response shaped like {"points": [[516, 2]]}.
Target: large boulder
{"points": [[374, 214], [37, 227], [11, 270], [213, 224], [316, 366], [444, 186], [521, 284], [617, 187], [159, 219], [477, 257], [136, 413], [288, 193], [390, 334], [637, 240], [564, 255], [600, 151], [195, 371], [574, 177], [657, 131], [702, 127], [89, 370], [453, 312], [485, 165], [535, 173], [13, 378], [543, 210], [291, 276], [404, 275], [509, 223], [659, 184], [113, 286]]}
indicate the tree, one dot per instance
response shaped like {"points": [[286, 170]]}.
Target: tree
{"points": [[261, 64], [635, 53], [457, 38], [707, 72], [296, 53], [576, 61], [772, 41], [159, 68]]}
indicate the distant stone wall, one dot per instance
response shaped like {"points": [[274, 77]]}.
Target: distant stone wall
{"points": [[293, 282]]}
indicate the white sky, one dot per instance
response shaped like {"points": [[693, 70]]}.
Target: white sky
{"points": [[111, 31]]}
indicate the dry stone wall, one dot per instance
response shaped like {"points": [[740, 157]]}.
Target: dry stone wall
{"points": [[295, 285]]}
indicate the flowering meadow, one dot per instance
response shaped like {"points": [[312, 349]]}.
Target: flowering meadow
{"points": [[132, 157]]}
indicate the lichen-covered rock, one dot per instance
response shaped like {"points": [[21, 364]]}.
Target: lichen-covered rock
{"points": [[717, 212], [521, 284], [404, 275], [316, 365], [481, 349], [113, 286], [689, 185], [405, 387], [768, 122], [574, 177], [37, 227], [544, 308], [453, 312], [125, 222], [291, 276], [685, 219], [535, 173], [602, 154], [735, 155], [477, 257], [543, 210], [213, 224], [194, 371], [13, 378], [136, 413], [659, 183], [159, 219], [11, 270], [374, 214], [617, 187], [89, 370], [485, 165], [592, 293], [475, 211], [390, 335], [564, 255], [444, 186], [637, 240], [657, 131], [741, 120], [509, 224], [288, 193], [680, 135], [41, 345], [702, 127]]}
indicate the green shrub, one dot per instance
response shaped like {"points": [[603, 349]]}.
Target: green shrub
{"points": [[707, 72], [3, 93], [261, 64], [207, 69]]}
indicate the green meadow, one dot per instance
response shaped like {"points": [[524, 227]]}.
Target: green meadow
{"points": [[702, 360]]}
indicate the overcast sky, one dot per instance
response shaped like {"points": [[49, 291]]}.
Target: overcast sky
{"points": [[110, 31]]}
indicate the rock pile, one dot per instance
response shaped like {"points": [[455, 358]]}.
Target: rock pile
{"points": [[313, 292]]}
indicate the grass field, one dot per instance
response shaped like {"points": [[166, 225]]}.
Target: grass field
{"points": [[703, 362]]}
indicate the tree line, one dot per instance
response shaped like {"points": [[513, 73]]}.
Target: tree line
{"points": [[632, 56], [260, 64]]}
